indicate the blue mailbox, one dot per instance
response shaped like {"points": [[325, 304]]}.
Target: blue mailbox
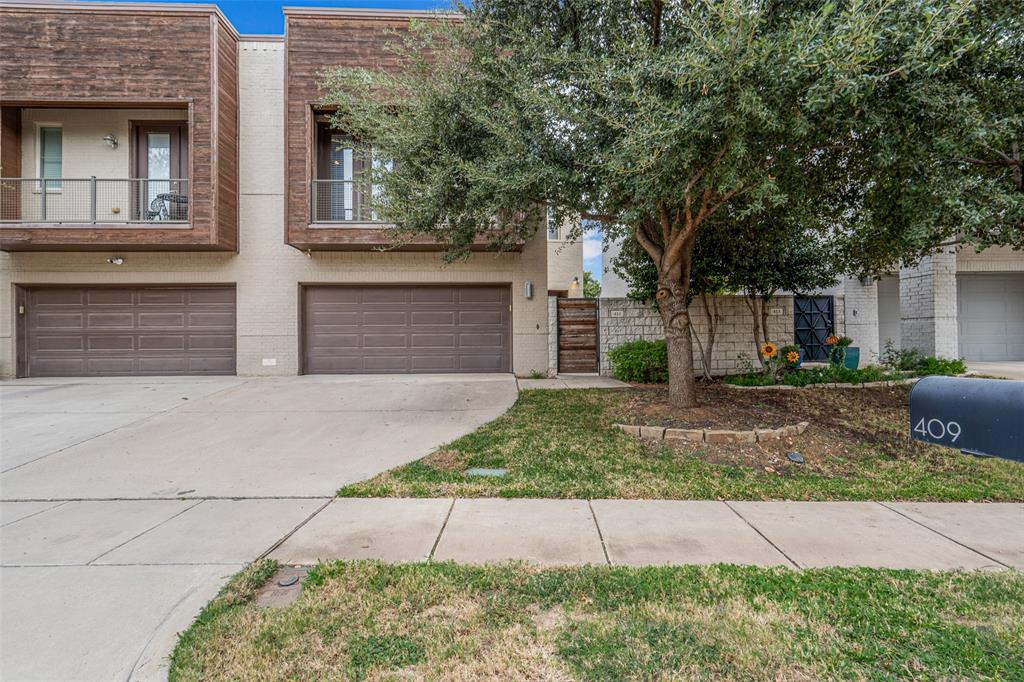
{"points": [[977, 416]]}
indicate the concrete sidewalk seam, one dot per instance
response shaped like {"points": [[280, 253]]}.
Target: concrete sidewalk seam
{"points": [[136, 537], [116, 428], [763, 536], [600, 535], [295, 529], [440, 532], [41, 511], [943, 535]]}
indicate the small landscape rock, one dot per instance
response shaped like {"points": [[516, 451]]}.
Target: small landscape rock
{"points": [[652, 432], [795, 457]]}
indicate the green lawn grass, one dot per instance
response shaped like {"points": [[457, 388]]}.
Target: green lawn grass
{"points": [[368, 620], [564, 444]]}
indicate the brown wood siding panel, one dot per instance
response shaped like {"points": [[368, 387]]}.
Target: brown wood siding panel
{"points": [[102, 57], [577, 335], [10, 162], [312, 45], [227, 137], [416, 329], [119, 331]]}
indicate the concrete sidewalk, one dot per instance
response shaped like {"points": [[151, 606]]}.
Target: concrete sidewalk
{"points": [[658, 532]]}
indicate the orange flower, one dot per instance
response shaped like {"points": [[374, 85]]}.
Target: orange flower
{"points": [[793, 356], [832, 340], [769, 350]]}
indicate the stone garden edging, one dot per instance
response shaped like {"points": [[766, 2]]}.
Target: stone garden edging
{"points": [[787, 387], [714, 435]]}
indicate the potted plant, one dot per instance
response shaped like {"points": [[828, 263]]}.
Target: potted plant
{"points": [[841, 353]]}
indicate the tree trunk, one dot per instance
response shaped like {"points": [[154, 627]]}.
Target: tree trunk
{"points": [[707, 352], [682, 388], [760, 336]]}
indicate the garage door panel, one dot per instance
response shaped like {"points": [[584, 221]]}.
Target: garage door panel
{"points": [[46, 297], [434, 363], [385, 341], [116, 297], [162, 342], [385, 319], [385, 295], [103, 343], [60, 321], [433, 319], [129, 331], [990, 312], [434, 295], [420, 341], [414, 328], [65, 343]]}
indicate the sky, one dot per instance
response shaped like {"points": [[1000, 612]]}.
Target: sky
{"points": [[265, 17]]}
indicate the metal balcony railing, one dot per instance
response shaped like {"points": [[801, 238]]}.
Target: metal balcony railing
{"points": [[341, 201], [63, 201]]}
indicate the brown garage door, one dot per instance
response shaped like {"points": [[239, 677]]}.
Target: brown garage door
{"points": [[406, 329], [86, 331]]}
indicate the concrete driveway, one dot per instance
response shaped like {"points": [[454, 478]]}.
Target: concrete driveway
{"points": [[1003, 370], [126, 503]]}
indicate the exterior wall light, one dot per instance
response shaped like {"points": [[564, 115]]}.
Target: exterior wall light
{"points": [[116, 260], [574, 288], [528, 289], [111, 141]]}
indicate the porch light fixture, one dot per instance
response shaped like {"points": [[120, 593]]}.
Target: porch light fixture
{"points": [[111, 141], [115, 260], [574, 288], [528, 289]]}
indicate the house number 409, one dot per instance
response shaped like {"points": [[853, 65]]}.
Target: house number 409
{"points": [[937, 429]]}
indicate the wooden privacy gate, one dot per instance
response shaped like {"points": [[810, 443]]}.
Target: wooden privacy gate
{"points": [[577, 335]]}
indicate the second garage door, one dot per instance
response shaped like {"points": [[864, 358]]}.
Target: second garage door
{"points": [[991, 317], [406, 329], [122, 331]]}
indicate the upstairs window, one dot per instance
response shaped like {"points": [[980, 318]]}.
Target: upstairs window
{"points": [[51, 143], [553, 231], [343, 189]]}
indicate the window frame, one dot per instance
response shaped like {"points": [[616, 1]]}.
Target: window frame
{"points": [[557, 228], [51, 187]]}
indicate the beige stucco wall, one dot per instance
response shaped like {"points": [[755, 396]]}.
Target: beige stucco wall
{"points": [[266, 271], [565, 261]]}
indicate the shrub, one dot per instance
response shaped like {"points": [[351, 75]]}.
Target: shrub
{"points": [[749, 379], [942, 366], [900, 359], [640, 362]]}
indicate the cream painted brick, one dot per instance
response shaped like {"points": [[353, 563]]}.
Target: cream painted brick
{"points": [[267, 272], [623, 320]]}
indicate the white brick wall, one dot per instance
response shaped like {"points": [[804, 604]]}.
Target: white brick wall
{"points": [[266, 271], [928, 306], [625, 320], [860, 301]]}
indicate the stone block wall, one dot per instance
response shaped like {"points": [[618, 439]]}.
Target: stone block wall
{"points": [[622, 320], [928, 305]]}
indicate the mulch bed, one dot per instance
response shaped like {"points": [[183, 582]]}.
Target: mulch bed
{"points": [[838, 418], [724, 408]]}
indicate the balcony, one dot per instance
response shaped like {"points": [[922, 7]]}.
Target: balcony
{"points": [[143, 157], [339, 202], [60, 202]]}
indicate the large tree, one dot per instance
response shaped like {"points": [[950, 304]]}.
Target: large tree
{"points": [[658, 117]]}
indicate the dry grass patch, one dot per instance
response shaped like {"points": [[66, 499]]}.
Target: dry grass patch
{"points": [[564, 444], [441, 621]]}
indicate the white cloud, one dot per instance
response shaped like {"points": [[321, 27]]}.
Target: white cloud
{"points": [[592, 245]]}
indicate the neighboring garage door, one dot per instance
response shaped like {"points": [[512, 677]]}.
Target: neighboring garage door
{"points": [[990, 312], [406, 329], [107, 331]]}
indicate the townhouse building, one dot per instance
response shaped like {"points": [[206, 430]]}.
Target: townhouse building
{"points": [[174, 200]]}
